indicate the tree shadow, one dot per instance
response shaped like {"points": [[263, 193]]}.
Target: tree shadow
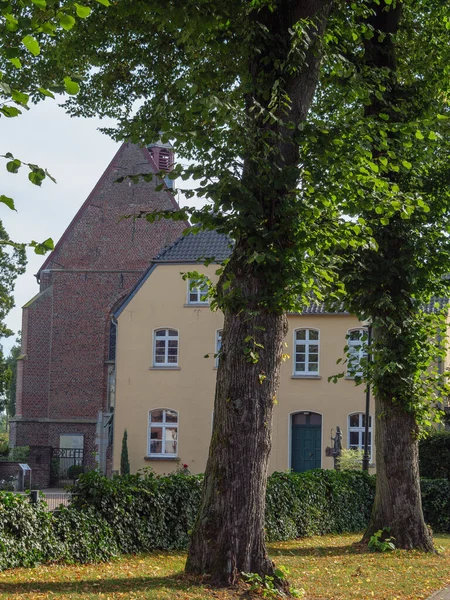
{"points": [[315, 551], [171, 583]]}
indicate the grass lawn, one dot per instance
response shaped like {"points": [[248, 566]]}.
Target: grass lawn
{"points": [[329, 567]]}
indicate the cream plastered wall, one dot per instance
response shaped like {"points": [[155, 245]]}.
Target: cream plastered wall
{"points": [[161, 302]]}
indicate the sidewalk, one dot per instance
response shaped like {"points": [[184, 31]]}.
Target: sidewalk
{"points": [[441, 595]]}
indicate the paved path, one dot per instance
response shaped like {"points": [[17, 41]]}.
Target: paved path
{"points": [[441, 595]]}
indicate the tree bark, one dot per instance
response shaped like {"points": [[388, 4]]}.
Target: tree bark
{"points": [[229, 534], [398, 502]]}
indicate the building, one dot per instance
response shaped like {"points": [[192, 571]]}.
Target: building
{"points": [[65, 386], [166, 361]]}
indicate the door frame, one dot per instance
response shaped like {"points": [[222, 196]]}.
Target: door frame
{"points": [[289, 437]]}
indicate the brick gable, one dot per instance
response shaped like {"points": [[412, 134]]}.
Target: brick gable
{"points": [[100, 257]]}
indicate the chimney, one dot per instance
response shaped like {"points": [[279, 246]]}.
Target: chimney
{"points": [[163, 157]]}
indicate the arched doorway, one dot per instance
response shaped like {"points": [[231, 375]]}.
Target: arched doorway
{"points": [[306, 441]]}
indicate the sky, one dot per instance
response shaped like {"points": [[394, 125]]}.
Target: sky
{"points": [[75, 153]]}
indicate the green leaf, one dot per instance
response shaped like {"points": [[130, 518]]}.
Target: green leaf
{"points": [[8, 201], [66, 21], [46, 92], [104, 2], [10, 111], [20, 97], [31, 45], [82, 11], [16, 62], [373, 166], [40, 3], [13, 165], [432, 135], [70, 86], [419, 135], [36, 176], [406, 164]]}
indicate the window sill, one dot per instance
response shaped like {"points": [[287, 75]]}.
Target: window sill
{"points": [[196, 305], [306, 377], [169, 458], [165, 368], [350, 378]]}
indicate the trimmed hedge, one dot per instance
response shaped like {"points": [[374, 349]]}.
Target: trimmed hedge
{"points": [[434, 455], [136, 513], [29, 535], [317, 502]]}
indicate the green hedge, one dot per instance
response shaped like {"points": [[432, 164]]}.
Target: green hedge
{"points": [[136, 513], [317, 502], [434, 455], [29, 535]]}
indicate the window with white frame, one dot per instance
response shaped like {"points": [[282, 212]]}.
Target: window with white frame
{"points": [[357, 350], [306, 348], [165, 352], [163, 432], [356, 427], [218, 346], [197, 292]]}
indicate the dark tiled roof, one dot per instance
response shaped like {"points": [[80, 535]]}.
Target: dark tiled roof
{"points": [[197, 247], [322, 309]]}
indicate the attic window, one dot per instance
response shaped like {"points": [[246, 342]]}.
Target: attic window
{"points": [[164, 160]]}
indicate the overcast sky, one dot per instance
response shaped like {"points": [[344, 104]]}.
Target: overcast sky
{"points": [[76, 154]]}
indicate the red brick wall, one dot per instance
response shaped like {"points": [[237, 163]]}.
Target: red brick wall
{"points": [[65, 329]]}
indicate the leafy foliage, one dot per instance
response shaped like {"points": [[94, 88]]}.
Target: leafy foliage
{"points": [[350, 459], [139, 513], [434, 455], [144, 511], [380, 541]]}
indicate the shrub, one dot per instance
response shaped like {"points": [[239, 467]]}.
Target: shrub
{"points": [[124, 462], [436, 503], [135, 513], [434, 455], [26, 533], [317, 502], [351, 459], [144, 511]]}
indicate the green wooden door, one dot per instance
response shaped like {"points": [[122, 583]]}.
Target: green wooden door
{"points": [[306, 447]]}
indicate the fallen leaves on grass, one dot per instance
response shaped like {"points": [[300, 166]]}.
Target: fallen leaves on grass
{"points": [[328, 568]]}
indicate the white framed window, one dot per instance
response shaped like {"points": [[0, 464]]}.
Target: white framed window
{"points": [[357, 350], [218, 347], [306, 350], [165, 349], [163, 432], [356, 427], [197, 292]]}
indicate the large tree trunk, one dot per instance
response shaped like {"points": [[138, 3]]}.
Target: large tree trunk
{"points": [[398, 503], [228, 538], [229, 535]]}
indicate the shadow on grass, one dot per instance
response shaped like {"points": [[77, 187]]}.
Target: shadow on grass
{"points": [[169, 584], [316, 551]]}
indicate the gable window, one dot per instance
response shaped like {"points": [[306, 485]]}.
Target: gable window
{"points": [[197, 292], [163, 432], [306, 348], [356, 351], [356, 426], [218, 346], [166, 348]]}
